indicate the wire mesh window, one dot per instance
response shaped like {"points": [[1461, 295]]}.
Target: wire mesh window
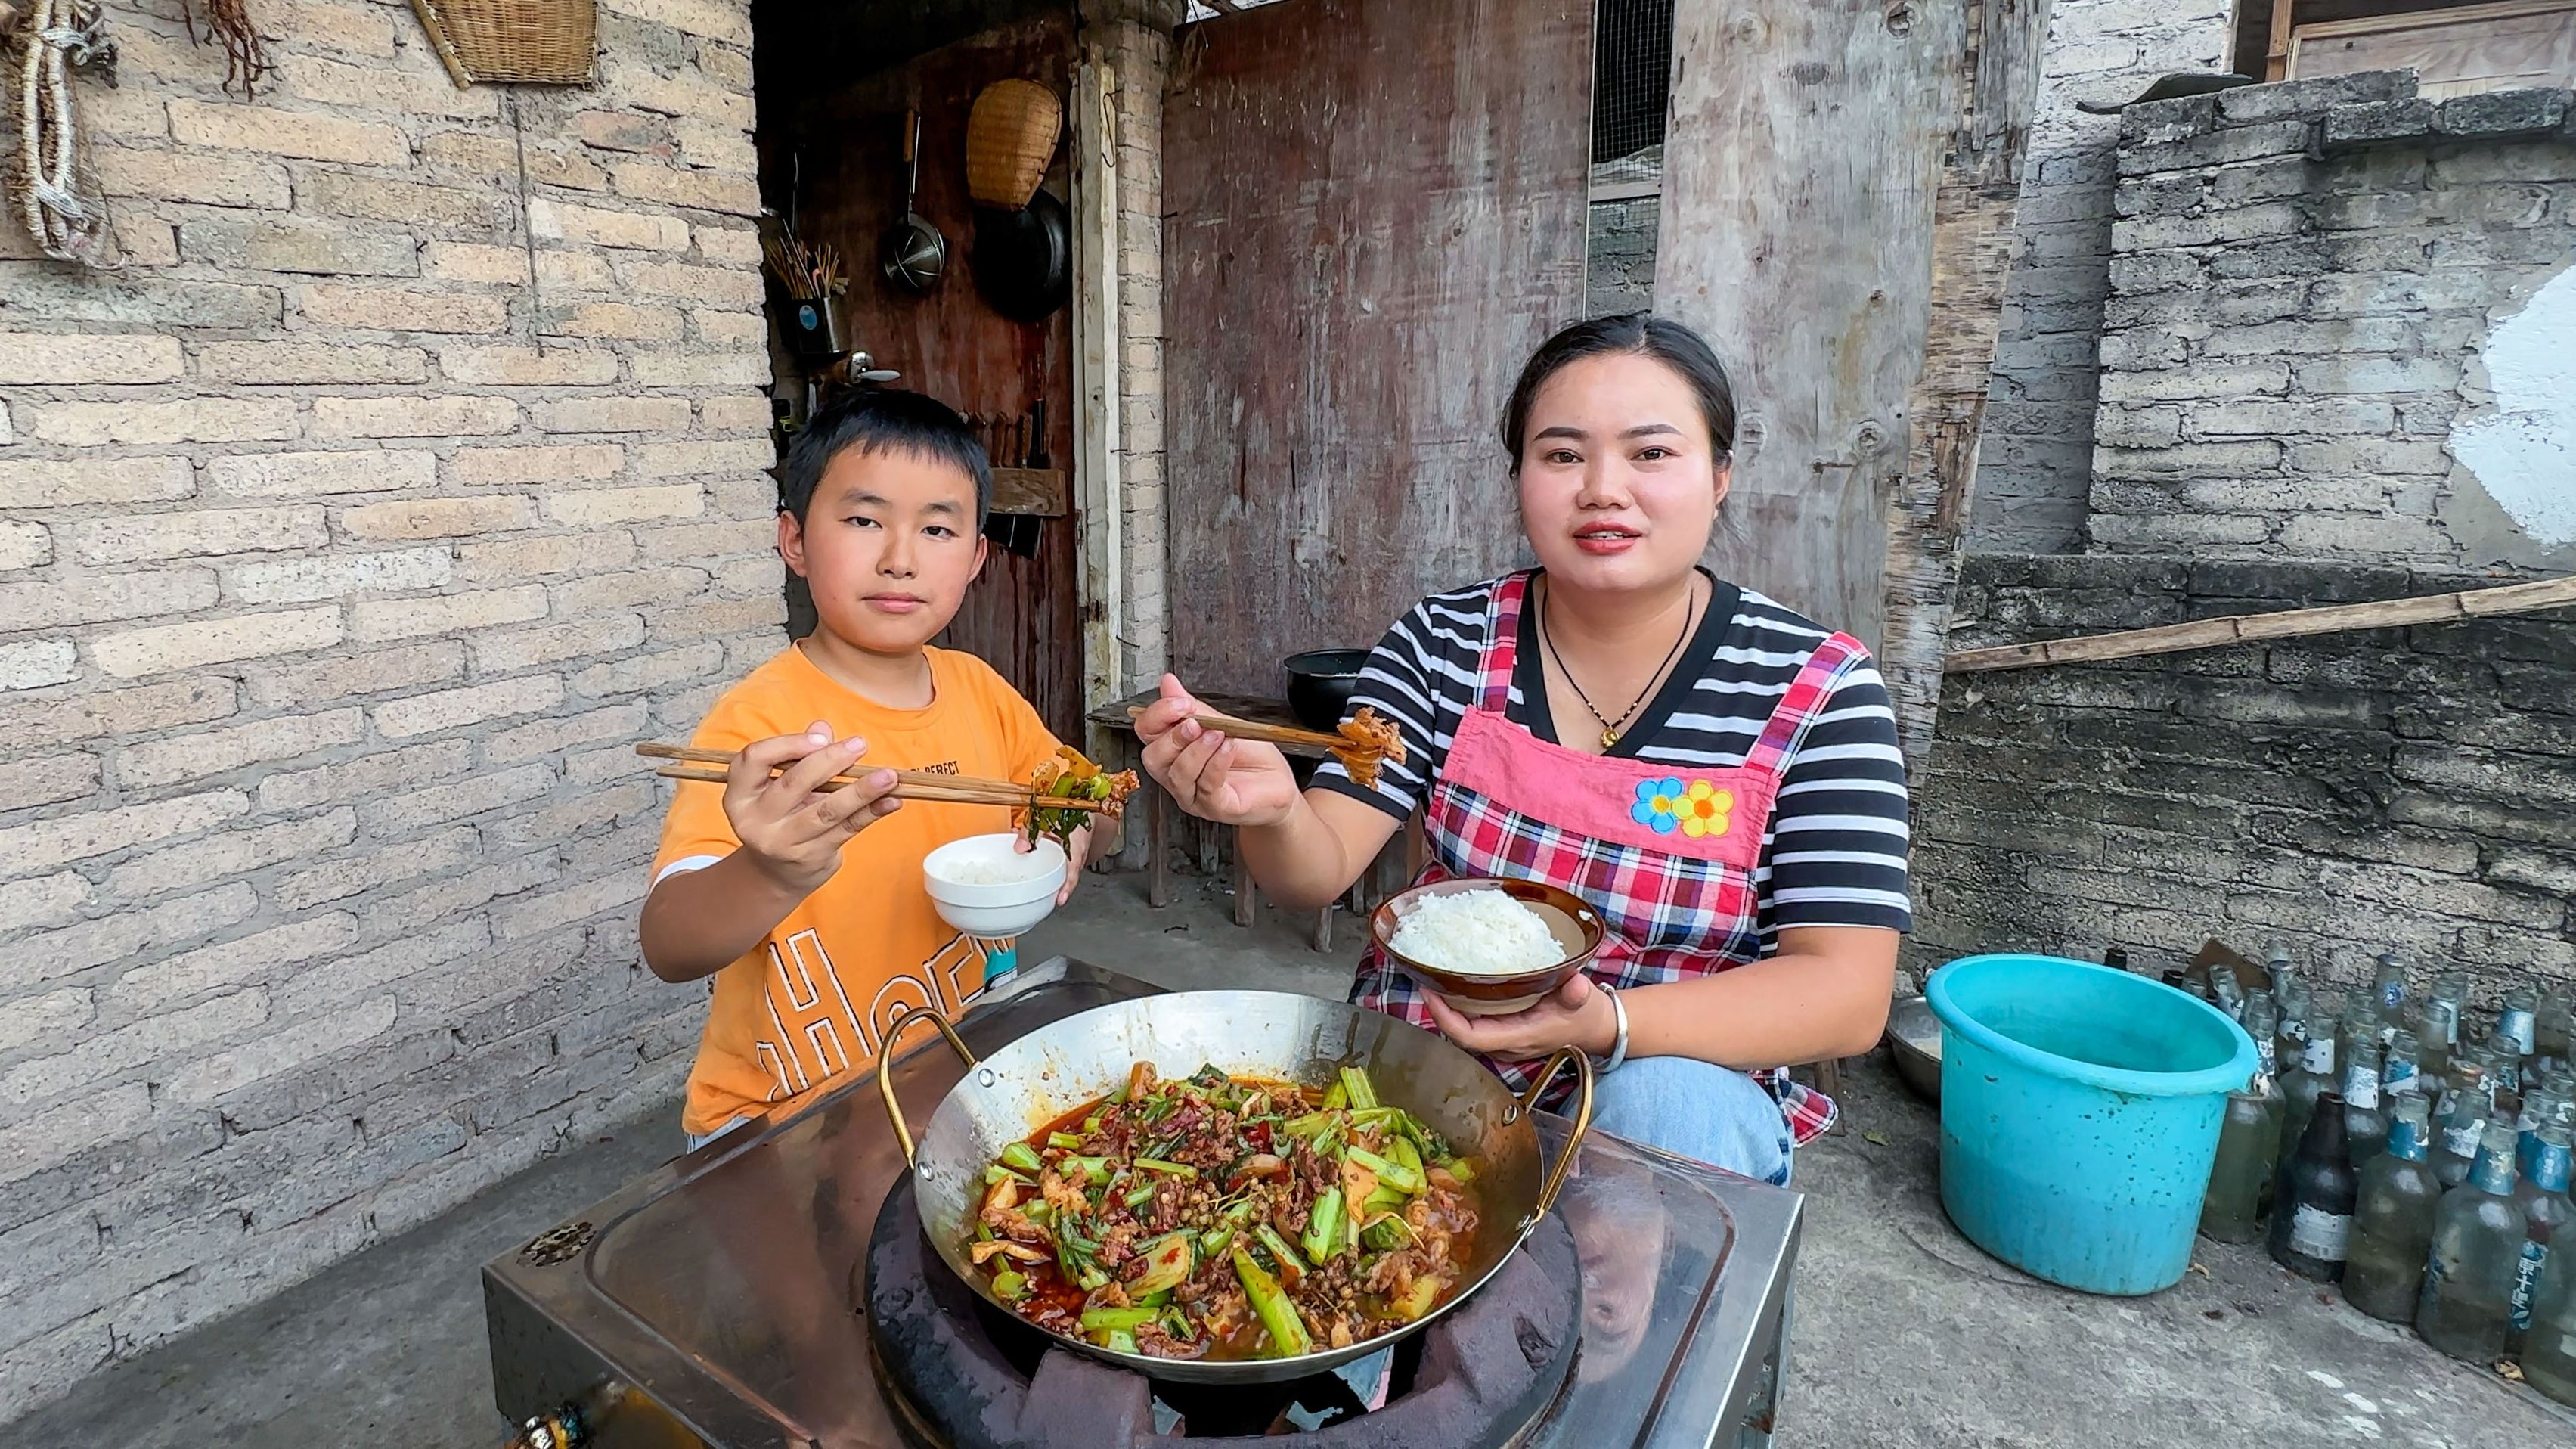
{"points": [[1632, 70]]}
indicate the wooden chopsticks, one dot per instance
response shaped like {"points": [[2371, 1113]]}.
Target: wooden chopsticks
{"points": [[1244, 729], [708, 767]]}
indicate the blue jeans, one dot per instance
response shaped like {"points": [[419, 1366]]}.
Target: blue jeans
{"points": [[1697, 1109]]}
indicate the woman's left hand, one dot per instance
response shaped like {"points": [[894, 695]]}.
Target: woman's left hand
{"points": [[1077, 847], [1574, 1015]]}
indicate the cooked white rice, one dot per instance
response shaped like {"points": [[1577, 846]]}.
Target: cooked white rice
{"points": [[1476, 933], [1005, 871]]}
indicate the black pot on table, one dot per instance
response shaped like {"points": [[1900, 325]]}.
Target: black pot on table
{"points": [[1320, 684]]}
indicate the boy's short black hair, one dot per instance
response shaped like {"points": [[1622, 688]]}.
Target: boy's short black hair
{"points": [[883, 420]]}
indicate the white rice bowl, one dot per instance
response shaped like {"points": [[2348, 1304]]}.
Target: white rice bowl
{"points": [[1482, 932]]}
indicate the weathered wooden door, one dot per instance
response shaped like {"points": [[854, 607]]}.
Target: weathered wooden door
{"points": [[1839, 184], [1373, 212], [842, 136]]}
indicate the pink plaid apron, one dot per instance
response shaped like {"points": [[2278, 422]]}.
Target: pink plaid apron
{"points": [[1665, 854]]}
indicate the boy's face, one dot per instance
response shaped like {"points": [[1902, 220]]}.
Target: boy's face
{"points": [[888, 545]]}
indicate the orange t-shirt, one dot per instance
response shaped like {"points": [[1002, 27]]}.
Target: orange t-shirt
{"points": [[812, 1001]]}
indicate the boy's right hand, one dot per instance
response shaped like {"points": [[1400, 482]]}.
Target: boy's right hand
{"points": [[1232, 782], [789, 827]]}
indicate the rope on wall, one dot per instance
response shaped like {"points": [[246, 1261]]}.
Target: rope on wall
{"points": [[65, 215]]}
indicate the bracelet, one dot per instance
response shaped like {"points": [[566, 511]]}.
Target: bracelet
{"points": [[1618, 1044]]}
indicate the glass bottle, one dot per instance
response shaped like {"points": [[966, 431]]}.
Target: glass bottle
{"points": [[2467, 1305], [2518, 1021], [2553, 1026], [2312, 1217], [2549, 1345], [2392, 1226], [2225, 993], [2501, 1055], [2363, 1121], [2249, 1141], [2540, 1108], [2402, 1073], [2278, 968], [2263, 1022], [2360, 1024], [2463, 1119], [2300, 1087], [2291, 995], [2388, 991], [2441, 1032], [2545, 1214]]}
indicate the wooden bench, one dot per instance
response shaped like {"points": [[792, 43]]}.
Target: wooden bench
{"points": [[1365, 893]]}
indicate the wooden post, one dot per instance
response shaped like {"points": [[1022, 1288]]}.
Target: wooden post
{"points": [[1097, 485], [1158, 843], [2276, 53]]}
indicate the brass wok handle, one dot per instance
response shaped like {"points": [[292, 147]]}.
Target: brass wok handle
{"points": [[894, 1109], [1574, 1141]]}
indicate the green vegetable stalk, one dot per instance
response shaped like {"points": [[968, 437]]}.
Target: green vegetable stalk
{"points": [[1101, 1320], [1396, 1175], [1288, 1336], [1323, 1237], [1024, 1158]]}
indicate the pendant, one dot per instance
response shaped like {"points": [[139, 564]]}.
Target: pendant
{"points": [[1609, 738]]}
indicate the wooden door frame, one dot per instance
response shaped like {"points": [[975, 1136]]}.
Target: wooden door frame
{"points": [[1098, 485]]}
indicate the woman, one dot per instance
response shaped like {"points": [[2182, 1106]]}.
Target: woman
{"points": [[1716, 775]]}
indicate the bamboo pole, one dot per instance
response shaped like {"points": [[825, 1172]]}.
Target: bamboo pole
{"points": [[2286, 624]]}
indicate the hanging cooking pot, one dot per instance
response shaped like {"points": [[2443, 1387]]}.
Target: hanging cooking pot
{"points": [[1024, 259], [912, 253]]}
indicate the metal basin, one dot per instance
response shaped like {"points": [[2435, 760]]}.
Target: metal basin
{"points": [[1914, 1040]]}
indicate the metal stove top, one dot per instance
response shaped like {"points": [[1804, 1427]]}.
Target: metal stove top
{"points": [[716, 1301]]}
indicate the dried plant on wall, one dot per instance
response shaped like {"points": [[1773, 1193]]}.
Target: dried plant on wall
{"points": [[246, 60], [50, 184]]}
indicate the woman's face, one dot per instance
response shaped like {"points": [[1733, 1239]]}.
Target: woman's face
{"points": [[1619, 483]]}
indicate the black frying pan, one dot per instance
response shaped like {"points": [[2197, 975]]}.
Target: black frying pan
{"points": [[1024, 259]]}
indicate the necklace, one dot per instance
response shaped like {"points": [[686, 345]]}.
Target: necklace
{"points": [[1610, 728]]}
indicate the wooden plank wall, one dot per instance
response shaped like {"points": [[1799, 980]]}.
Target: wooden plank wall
{"points": [[1839, 186], [1373, 213], [1022, 615]]}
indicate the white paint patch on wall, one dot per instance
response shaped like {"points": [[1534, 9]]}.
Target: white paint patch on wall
{"points": [[2524, 447]]}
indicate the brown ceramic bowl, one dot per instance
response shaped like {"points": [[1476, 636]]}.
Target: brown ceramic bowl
{"points": [[1577, 926]]}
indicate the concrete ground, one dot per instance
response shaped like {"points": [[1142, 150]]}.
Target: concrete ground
{"points": [[1906, 1335]]}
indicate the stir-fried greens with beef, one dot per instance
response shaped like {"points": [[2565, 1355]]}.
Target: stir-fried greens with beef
{"points": [[1227, 1218]]}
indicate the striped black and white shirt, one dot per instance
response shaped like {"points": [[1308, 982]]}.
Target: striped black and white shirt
{"points": [[1834, 853]]}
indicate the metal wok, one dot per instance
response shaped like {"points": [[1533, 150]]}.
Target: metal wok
{"points": [[1056, 1068]]}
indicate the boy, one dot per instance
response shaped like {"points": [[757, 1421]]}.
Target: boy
{"points": [[807, 907]]}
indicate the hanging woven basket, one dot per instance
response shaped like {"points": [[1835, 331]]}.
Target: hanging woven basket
{"points": [[536, 42], [1010, 138]]}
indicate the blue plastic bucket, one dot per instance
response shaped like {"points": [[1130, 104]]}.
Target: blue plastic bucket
{"points": [[2080, 1109]]}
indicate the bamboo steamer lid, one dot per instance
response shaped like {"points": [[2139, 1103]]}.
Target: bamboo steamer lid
{"points": [[1010, 137]]}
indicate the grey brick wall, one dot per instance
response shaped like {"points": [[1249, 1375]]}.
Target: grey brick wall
{"points": [[1619, 262], [2408, 789], [339, 567], [2332, 305], [2034, 457]]}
